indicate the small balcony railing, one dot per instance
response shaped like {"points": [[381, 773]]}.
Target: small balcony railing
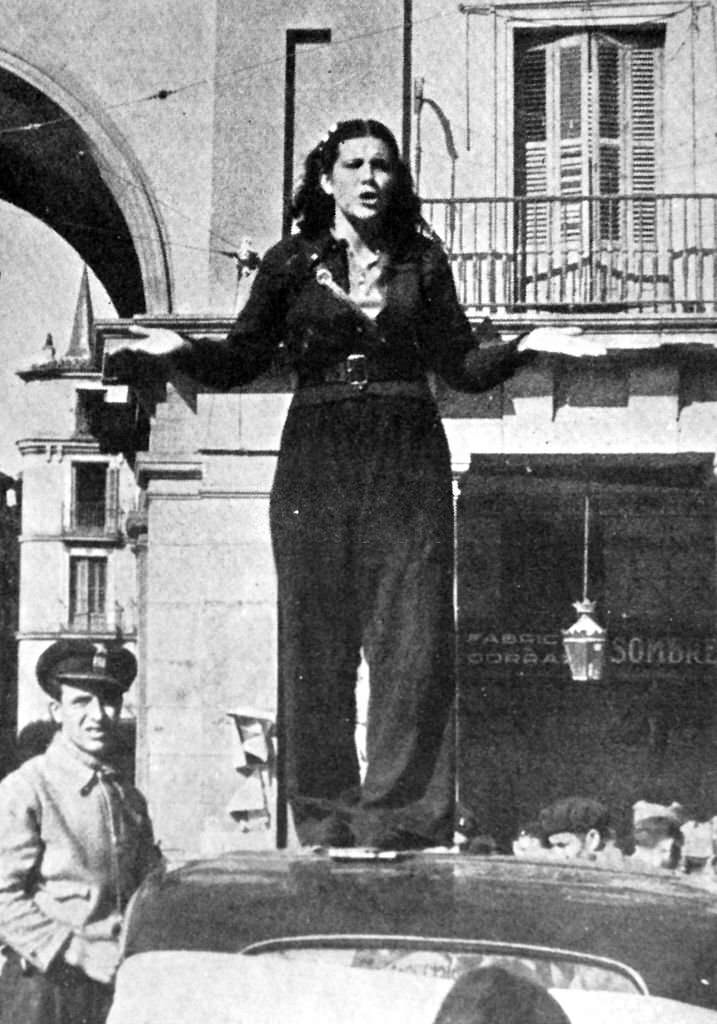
{"points": [[649, 253], [91, 519], [88, 622], [114, 619]]}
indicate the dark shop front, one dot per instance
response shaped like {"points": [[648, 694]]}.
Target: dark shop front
{"points": [[528, 732]]}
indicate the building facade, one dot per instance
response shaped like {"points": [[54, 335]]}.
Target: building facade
{"points": [[77, 566], [567, 153]]}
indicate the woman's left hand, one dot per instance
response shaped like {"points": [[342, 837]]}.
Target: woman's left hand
{"points": [[565, 341]]}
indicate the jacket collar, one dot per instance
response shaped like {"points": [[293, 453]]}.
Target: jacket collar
{"points": [[77, 768], [325, 244]]}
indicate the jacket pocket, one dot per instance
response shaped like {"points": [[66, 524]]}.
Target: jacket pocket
{"points": [[60, 889]]}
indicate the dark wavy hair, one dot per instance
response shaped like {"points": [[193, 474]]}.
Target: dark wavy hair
{"points": [[493, 995], [313, 209]]}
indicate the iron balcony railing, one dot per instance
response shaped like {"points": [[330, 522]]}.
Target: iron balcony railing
{"points": [[645, 252], [92, 518], [88, 622], [103, 619]]}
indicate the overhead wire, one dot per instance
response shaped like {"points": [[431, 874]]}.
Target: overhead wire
{"points": [[163, 94], [166, 93]]}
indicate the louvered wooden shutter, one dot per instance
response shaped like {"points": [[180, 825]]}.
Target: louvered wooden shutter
{"points": [[607, 88], [531, 170], [642, 86], [79, 570], [572, 152], [97, 585], [112, 498]]}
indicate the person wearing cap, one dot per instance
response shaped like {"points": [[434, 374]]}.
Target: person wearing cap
{"points": [[578, 828], [75, 842], [657, 834]]}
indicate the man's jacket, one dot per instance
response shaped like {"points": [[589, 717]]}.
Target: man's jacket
{"points": [[75, 842]]}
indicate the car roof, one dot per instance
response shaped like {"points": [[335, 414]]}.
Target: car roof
{"points": [[661, 926]]}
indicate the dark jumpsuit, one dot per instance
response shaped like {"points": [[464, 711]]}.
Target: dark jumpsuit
{"points": [[362, 530]]}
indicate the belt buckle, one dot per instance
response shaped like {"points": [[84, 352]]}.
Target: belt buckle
{"points": [[356, 371]]}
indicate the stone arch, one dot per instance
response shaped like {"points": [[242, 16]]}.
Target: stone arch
{"points": [[78, 175]]}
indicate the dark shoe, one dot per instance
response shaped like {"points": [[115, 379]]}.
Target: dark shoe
{"points": [[393, 837], [330, 831]]}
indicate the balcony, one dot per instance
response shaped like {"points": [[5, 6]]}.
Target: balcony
{"points": [[88, 622], [116, 620], [92, 520], [643, 253]]}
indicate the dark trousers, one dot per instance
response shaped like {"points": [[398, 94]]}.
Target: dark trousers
{"points": [[62, 996], [362, 529]]}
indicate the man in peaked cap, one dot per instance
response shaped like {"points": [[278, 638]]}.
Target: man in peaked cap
{"points": [[75, 842]]}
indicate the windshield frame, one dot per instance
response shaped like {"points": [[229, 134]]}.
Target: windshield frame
{"points": [[413, 943]]}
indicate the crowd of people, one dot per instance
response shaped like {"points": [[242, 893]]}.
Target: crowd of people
{"points": [[664, 837]]}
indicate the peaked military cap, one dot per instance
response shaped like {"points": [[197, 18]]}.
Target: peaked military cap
{"points": [[84, 664]]}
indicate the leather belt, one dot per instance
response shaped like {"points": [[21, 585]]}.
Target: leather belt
{"points": [[317, 394], [358, 370]]}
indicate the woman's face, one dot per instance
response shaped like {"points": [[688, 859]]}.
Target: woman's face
{"points": [[361, 179]]}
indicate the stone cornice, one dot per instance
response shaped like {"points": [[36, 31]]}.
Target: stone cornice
{"points": [[564, 11], [652, 329], [128, 636], [51, 445], [178, 467], [58, 370]]}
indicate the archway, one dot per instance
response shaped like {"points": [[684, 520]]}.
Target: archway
{"points": [[67, 165]]}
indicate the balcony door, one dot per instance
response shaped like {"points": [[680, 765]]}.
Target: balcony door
{"points": [[587, 130], [95, 497], [88, 591]]}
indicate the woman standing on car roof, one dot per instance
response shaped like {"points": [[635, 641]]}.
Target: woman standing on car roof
{"points": [[360, 303]]}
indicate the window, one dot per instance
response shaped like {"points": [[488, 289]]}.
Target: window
{"points": [[88, 406], [94, 497], [587, 118], [587, 108], [88, 589]]}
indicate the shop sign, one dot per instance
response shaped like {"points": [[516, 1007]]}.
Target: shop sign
{"points": [[545, 650], [529, 650]]}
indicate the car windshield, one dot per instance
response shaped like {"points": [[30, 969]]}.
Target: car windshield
{"points": [[442, 958]]}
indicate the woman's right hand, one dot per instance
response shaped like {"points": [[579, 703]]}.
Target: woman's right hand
{"points": [[146, 356]]}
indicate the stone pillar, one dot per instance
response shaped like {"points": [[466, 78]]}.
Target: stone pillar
{"points": [[209, 623], [136, 529]]}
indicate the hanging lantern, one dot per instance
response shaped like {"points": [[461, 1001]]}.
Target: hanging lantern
{"points": [[584, 641]]}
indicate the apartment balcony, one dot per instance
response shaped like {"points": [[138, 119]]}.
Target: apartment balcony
{"points": [[91, 520], [88, 622], [114, 620], [640, 254]]}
